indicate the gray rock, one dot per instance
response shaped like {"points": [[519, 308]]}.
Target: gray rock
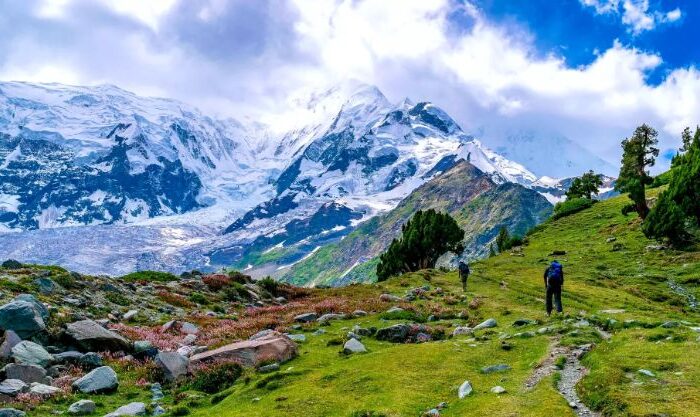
{"points": [[670, 325], [188, 328], [90, 336], [26, 373], [43, 390], [8, 342], [495, 368], [131, 409], [173, 364], [82, 408], [102, 379], [90, 360], [144, 348], [273, 367], [462, 330], [306, 317], [465, 389], [22, 317], [395, 310], [389, 297], [359, 313], [11, 412], [646, 372], [488, 324], [46, 286], [297, 337], [354, 346], [13, 387], [30, 353], [156, 392], [158, 411], [397, 333], [38, 305], [189, 339], [130, 314], [330, 316], [71, 356], [498, 390], [261, 334], [523, 322]]}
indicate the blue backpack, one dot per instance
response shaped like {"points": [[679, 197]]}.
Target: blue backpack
{"points": [[555, 274]]}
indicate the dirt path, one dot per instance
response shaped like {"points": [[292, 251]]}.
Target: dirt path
{"points": [[571, 373]]}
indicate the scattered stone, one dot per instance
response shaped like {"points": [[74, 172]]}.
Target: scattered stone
{"points": [[573, 405], [306, 317], [330, 316], [188, 328], [582, 323], [144, 349], [273, 346], [158, 411], [488, 324], [612, 311], [9, 341], [13, 387], [397, 333], [173, 365], [189, 339], [43, 390], [82, 408], [299, 338], [423, 337], [273, 367], [354, 346], [131, 409], [26, 373], [102, 379], [646, 372], [610, 239], [90, 336], [70, 356], [498, 390], [30, 353], [495, 368], [11, 412], [389, 298], [432, 413], [670, 325], [465, 389], [22, 317], [156, 392], [395, 310], [90, 360], [261, 334], [319, 332], [46, 286], [359, 313], [130, 315], [523, 322], [462, 330]]}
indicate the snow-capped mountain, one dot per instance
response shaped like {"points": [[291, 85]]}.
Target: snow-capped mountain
{"points": [[96, 169]]}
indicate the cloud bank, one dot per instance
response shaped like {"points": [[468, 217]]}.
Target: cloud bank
{"points": [[238, 58]]}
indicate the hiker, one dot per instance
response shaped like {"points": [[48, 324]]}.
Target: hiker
{"points": [[553, 281], [463, 274]]}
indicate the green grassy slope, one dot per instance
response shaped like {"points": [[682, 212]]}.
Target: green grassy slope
{"points": [[406, 380]]}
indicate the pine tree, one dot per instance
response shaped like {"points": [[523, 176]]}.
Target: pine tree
{"points": [[684, 187], [585, 186], [639, 153], [502, 240], [424, 238], [492, 251]]}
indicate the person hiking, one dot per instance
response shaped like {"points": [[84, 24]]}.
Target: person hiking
{"points": [[463, 274], [553, 281]]}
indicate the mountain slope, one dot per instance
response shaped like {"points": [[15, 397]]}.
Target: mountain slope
{"points": [[480, 206]]}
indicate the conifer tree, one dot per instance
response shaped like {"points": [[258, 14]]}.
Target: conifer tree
{"points": [[639, 153]]}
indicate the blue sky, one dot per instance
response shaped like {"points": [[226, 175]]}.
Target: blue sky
{"points": [[586, 71]]}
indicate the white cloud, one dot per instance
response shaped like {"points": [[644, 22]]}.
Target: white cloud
{"points": [[635, 14]]}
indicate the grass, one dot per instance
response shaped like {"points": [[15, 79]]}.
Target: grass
{"points": [[149, 276]]}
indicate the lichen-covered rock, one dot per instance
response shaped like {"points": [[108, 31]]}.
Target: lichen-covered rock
{"points": [[273, 346], [90, 336], [102, 379]]}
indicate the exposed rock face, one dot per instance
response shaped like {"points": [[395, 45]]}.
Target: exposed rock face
{"points": [[11, 412], [30, 353], [13, 387], [90, 336], [273, 346], [102, 379], [26, 373], [397, 333], [10, 340]]}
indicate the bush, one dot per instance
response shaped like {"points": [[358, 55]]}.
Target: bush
{"points": [[666, 221], [569, 207], [180, 411], [215, 377], [150, 276], [117, 298], [174, 299], [198, 298], [240, 277], [269, 284], [235, 291], [216, 282], [12, 264]]}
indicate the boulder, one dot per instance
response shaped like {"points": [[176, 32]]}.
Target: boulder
{"points": [[11, 412], [188, 328], [13, 387], [354, 346], [274, 346], [131, 409], [71, 357], [30, 353], [144, 349], [43, 390], [130, 315], [389, 298], [22, 317], [393, 310], [90, 336], [462, 330], [82, 408], [306, 317], [102, 379], [498, 390], [330, 316], [359, 313], [46, 286], [172, 364], [26, 373], [8, 342], [90, 360], [465, 389], [38, 305], [397, 333], [490, 323]]}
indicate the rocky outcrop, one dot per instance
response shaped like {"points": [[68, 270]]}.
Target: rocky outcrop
{"points": [[88, 335], [102, 379]]}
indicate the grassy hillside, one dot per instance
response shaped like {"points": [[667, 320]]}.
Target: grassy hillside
{"points": [[632, 300], [480, 207]]}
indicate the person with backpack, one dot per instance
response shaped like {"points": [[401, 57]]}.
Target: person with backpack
{"points": [[463, 274], [553, 281]]}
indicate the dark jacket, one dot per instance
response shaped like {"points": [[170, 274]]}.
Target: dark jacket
{"points": [[546, 272], [463, 269]]}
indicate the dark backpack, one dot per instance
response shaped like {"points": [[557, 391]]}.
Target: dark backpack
{"points": [[463, 268], [555, 274]]}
